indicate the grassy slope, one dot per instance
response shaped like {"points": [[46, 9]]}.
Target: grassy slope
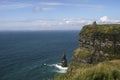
{"points": [[108, 70]]}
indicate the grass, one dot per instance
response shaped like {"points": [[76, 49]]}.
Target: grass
{"points": [[108, 70], [82, 52]]}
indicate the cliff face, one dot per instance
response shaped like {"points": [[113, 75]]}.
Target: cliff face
{"points": [[98, 43], [95, 58]]}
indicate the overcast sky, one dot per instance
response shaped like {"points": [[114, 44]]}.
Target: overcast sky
{"points": [[56, 14]]}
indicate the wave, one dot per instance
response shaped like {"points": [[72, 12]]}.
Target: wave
{"points": [[58, 68], [61, 71]]}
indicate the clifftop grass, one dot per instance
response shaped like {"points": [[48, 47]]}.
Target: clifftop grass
{"points": [[108, 70], [102, 29]]}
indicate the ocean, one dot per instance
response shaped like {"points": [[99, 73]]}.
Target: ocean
{"points": [[33, 55]]}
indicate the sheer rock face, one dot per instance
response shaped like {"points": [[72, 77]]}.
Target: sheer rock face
{"points": [[64, 61], [97, 43]]}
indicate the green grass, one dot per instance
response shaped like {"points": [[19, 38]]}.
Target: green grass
{"points": [[82, 52], [108, 70]]}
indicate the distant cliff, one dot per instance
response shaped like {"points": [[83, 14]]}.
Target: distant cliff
{"points": [[98, 54]]}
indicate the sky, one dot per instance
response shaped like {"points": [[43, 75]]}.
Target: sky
{"points": [[56, 14]]}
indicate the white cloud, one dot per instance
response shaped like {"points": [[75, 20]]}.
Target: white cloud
{"points": [[6, 5], [37, 8], [46, 6], [51, 3], [14, 5], [65, 24], [104, 19], [70, 5], [52, 24]]}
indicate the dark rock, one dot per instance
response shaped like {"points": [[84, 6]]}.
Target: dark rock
{"points": [[64, 60]]}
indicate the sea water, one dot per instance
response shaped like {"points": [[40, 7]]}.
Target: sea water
{"points": [[33, 55]]}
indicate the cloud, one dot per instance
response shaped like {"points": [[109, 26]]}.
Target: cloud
{"points": [[37, 8], [71, 4], [6, 5], [49, 6], [13, 5], [51, 3], [50, 24], [106, 20], [44, 6], [53, 24]]}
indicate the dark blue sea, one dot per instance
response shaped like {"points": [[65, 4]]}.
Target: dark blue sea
{"points": [[32, 55]]}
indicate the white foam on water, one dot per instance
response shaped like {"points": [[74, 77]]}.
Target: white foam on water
{"points": [[61, 71], [58, 68]]}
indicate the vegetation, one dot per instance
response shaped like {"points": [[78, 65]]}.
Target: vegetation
{"points": [[82, 52], [108, 70], [90, 30]]}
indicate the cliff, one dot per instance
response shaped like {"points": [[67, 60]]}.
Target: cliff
{"points": [[98, 54], [98, 43]]}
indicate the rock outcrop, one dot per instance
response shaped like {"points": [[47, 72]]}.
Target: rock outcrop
{"points": [[64, 60]]}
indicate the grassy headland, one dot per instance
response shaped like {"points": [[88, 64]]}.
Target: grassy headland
{"points": [[98, 54]]}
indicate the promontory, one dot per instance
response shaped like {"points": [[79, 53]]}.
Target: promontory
{"points": [[98, 54]]}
